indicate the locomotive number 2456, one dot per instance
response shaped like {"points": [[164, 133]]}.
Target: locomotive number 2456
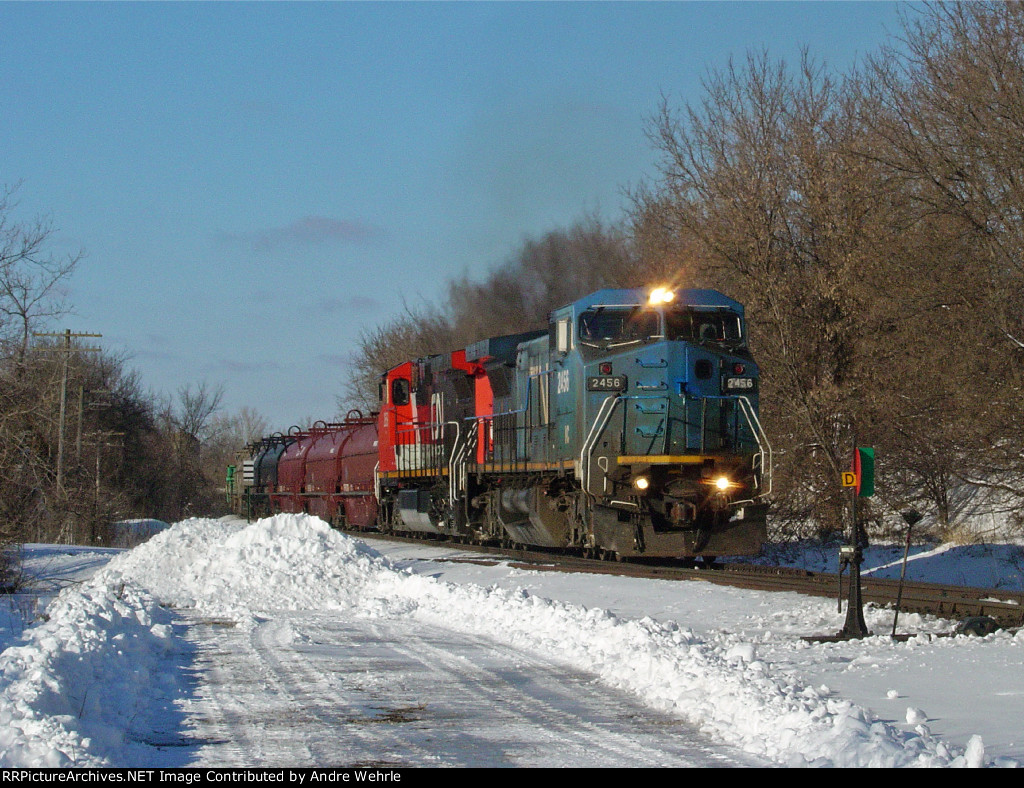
{"points": [[607, 383]]}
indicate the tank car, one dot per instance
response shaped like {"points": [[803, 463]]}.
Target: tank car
{"points": [[327, 470], [628, 428], [287, 494], [260, 475], [339, 472]]}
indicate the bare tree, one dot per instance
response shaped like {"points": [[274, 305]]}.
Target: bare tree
{"points": [[31, 280], [195, 408], [947, 118], [542, 274], [757, 182], [414, 333], [953, 96], [31, 275], [187, 426]]}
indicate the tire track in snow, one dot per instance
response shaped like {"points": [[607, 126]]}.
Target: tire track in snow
{"points": [[581, 720], [229, 713], [311, 689], [357, 726]]}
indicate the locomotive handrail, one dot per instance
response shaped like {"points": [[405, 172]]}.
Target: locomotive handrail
{"points": [[376, 486], [587, 450], [524, 409], [457, 462], [762, 442], [764, 448], [490, 417], [437, 440], [453, 489]]}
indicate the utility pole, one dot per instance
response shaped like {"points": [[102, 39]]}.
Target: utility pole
{"points": [[66, 349], [102, 438]]}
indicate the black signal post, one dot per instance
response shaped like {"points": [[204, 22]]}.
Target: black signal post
{"points": [[861, 482], [852, 554]]}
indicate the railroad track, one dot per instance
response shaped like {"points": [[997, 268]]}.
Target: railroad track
{"points": [[954, 602]]}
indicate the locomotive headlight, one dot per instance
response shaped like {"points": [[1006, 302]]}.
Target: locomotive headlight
{"points": [[723, 483], [641, 483], [661, 295]]}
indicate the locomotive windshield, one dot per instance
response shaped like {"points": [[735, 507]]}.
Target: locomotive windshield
{"points": [[690, 325], [609, 327], [612, 327]]}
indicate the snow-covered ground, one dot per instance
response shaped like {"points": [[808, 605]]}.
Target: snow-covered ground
{"points": [[286, 643]]}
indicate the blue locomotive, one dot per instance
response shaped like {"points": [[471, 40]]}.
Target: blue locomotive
{"points": [[628, 428]]}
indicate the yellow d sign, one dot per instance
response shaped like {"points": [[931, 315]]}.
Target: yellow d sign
{"points": [[849, 479]]}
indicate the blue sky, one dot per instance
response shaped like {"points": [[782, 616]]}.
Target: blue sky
{"points": [[255, 183]]}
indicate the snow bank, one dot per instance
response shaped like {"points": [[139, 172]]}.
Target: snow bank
{"points": [[85, 678], [298, 562], [129, 533]]}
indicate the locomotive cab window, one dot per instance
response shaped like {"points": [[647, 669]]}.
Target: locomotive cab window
{"points": [[705, 327], [609, 328], [563, 337], [400, 391]]}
